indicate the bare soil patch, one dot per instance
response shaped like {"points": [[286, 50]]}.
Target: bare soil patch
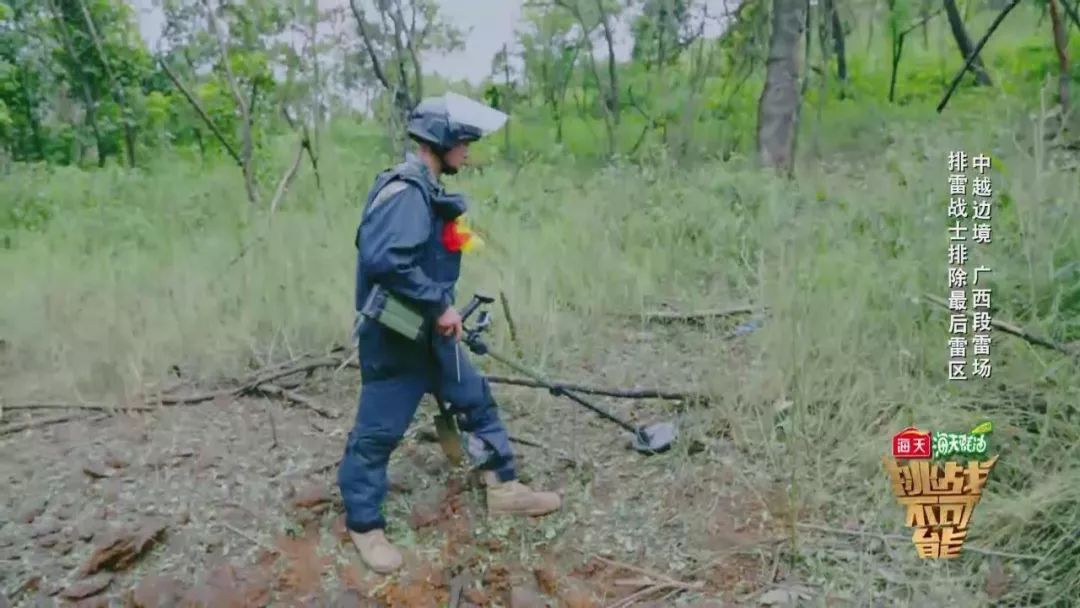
{"points": [[233, 502]]}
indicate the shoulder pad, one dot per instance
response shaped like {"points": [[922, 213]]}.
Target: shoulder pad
{"points": [[388, 191]]}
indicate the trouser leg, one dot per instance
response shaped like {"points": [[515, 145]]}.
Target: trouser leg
{"points": [[386, 408]]}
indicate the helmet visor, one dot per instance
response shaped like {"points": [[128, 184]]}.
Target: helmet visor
{"points": [[473, 115]]}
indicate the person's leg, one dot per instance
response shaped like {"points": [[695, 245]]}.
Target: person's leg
{"points": [[386, 408], [468, 396]]}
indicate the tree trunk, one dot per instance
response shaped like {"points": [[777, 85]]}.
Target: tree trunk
{"points": [[778, 106], [32, 119], [924, 14], [84, 82], [809, 34], [558, 124], [956, 24], [837, 29], [1061, 44], [30, 100], [118, 90], [506, 96], [613, 77]]}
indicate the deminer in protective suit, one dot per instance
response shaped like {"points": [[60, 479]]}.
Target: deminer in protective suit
{"points": [[404, 250]]}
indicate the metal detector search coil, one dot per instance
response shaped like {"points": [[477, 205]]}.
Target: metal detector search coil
{"points": [[648, 439]]}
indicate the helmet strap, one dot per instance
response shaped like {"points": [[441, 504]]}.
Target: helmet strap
{"points": [[440, 153]]}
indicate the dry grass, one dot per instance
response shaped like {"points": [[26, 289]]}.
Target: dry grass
{"points": [[112, 296]]}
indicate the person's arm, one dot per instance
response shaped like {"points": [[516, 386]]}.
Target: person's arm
{"points": [[392, 239]]}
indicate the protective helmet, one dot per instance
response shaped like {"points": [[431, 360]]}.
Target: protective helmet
{"points": [[443, 122]]}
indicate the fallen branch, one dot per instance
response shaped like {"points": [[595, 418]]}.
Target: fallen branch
{"points": [[651, 581], [273, 427], [558, 453], [349, 361], [265, 382], [261, 382], [1012, 329], [975, 53], [637, 569], [696, 318], [78, 406], [649, 393], [251, 538], [457, 587], [40, 422], [630, 600], [898, 537], [273, 389]]}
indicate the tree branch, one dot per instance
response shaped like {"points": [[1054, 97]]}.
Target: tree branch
{"points": [[305, 142], [129, 133], [241, 105], [202, 113], [365, 37], [975, 53], [289, 175], [921, 22], [410, 44], [1012, 329]]}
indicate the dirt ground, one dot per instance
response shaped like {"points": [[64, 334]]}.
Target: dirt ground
{"points": [[233, 502]]}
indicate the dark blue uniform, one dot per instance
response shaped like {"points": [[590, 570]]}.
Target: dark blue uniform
{"points": [[399, 247]]}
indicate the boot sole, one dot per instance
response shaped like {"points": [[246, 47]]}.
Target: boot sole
{"points": [[383, 570]]}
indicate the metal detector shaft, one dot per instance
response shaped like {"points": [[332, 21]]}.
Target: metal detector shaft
{"points": [[559, 390]]}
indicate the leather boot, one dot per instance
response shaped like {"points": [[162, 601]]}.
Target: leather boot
{"points": [[376, 551], [516, 498]]}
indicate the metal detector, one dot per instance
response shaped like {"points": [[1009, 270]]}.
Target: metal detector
{"points": [[648, 439]]}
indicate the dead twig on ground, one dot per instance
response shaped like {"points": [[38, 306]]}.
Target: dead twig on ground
{"points": [[40, 422], [249, 537], [561, 455], [273, 427], [78, 406], [907, 539], [322, 468], [691, 318], [651, 581], [457, 587], [267, 382], [273, 389], [636, 569], [1012, 329], [353, 358]]}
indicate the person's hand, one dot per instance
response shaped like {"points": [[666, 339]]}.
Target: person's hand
{"points": [[449, 323]]}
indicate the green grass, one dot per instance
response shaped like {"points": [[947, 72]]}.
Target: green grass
{"points": [[130, 274]]}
